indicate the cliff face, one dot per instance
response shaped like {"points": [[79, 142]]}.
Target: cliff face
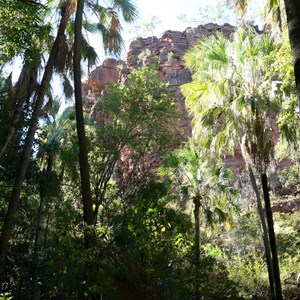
{"points": [[169, 50]]}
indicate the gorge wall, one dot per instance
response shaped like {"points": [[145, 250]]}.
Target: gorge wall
{"points": [[169, 50]]}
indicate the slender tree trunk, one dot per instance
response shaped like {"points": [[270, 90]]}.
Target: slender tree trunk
{"points": [[197, 246], [20, 175], [83, 154], [265, 233], [86, 193], [272, 238], [292, 8], [36, 294]]}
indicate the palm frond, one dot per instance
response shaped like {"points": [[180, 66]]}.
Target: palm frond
{"points": [[88, 53], [239, 6], [67, 86], [112, 40], [90, 27], [127, 8]]}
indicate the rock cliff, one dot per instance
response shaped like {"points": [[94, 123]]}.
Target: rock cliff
{"points": [[169, 50]]}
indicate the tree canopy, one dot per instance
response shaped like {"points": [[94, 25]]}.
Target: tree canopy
{"points": [[111, 197]]}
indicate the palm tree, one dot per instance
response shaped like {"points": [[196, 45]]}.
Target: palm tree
{"points": [[21, 93], [114, 41], [109, 26], [207, 187], [83, 156], [231, 103], [292, 9], [113, 46], [55, 129], [39, 100]]}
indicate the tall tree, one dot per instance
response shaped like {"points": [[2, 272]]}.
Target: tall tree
{"points": [[54, 131], [128, 137], [292, 8], [24, 160], [83, 155], [206, 187], [109, 27], [21, 93], [231, 102], [114, 46]]}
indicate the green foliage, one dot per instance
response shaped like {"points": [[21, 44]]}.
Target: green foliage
{"points": [[159, 241], [230, 95], [250, 277], [289, 176], [241, 251], [133, 125], [5, 296], [192, 176], [145, 234], [21, 22], [153, 254], [282, 66]]}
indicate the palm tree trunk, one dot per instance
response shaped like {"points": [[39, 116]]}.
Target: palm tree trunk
{"points": [[15, 195], [272, 238], [36, 294], [265, 233], [86, 193], [197, 246], [83, 155], [292, 8]]}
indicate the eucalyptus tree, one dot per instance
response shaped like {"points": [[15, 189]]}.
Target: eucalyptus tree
{"points": [[134, 125], [231, 104], [197, 179]]}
